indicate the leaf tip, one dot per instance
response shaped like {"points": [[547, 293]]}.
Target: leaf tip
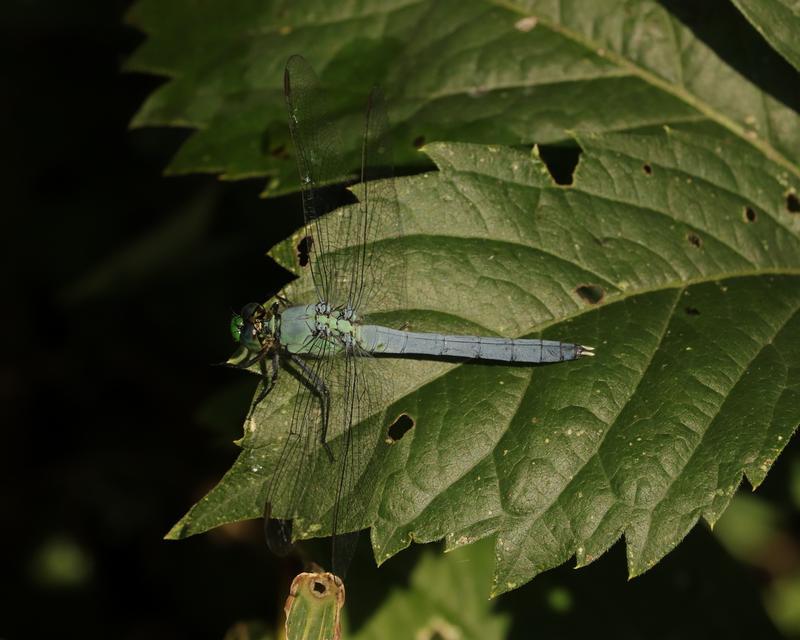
{"points": [[177, 532]]}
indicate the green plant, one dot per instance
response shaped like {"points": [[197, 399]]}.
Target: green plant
{"points": [[674, 249]]}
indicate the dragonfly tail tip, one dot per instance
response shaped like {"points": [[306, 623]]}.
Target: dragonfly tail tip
{"points": [[583, 350]]}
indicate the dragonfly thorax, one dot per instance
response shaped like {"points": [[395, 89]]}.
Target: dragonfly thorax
{"points": [[317, 329], [334, 321]]}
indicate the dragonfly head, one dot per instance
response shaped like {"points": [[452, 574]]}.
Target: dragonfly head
{"points": [[253, 327]]}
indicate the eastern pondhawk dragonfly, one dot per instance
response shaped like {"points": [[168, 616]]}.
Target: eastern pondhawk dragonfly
{"points": [[326, 342]]}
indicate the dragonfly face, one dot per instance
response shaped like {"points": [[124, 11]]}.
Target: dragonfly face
{"points": [[254, 328]]}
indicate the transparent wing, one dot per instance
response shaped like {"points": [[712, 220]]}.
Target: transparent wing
{"points": [[370, 277], [365, 237], [355, 264], [309, 493], [354, 257], [359, 448], [296, 468], [321, 161]]}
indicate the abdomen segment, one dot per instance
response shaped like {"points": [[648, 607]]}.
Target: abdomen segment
{"points": [[382, 340]]}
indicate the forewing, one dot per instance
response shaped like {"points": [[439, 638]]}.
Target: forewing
{"points": [[353, 252], [321, 161], [364, 238], [380, 284]]}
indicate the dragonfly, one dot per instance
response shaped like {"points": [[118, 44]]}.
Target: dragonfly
{"points": [[327, 341]]}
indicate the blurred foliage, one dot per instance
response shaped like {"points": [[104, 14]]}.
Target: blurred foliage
{"points": [[762, 534], [118, 288], [447, 597], [60, 562]]}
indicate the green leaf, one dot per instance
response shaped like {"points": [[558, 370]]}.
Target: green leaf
{"points": [[484, 72], [446, 598], [314, 607], [779, 22], [693, 243], [645, 40]]}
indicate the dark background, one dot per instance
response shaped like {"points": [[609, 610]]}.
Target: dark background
{"points": [[118, 285]]}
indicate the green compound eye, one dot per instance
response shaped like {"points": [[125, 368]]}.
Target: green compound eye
{"points": [[236, 328]]}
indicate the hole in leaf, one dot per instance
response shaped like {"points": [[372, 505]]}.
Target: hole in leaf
{"points": [[792, 203], [419, 141], [694, 240], [749, 214], [399, 427], [304, 250], [591, 293], [560, 161], [319, 588], [691, 311], [647, 169], [280, 151]]}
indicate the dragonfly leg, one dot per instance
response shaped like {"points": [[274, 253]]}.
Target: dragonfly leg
{"points": [[324, 397], [268, 381], [276, 365]]}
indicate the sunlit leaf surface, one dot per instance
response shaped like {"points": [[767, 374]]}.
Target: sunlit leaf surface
{"points": [[677, 256]]}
